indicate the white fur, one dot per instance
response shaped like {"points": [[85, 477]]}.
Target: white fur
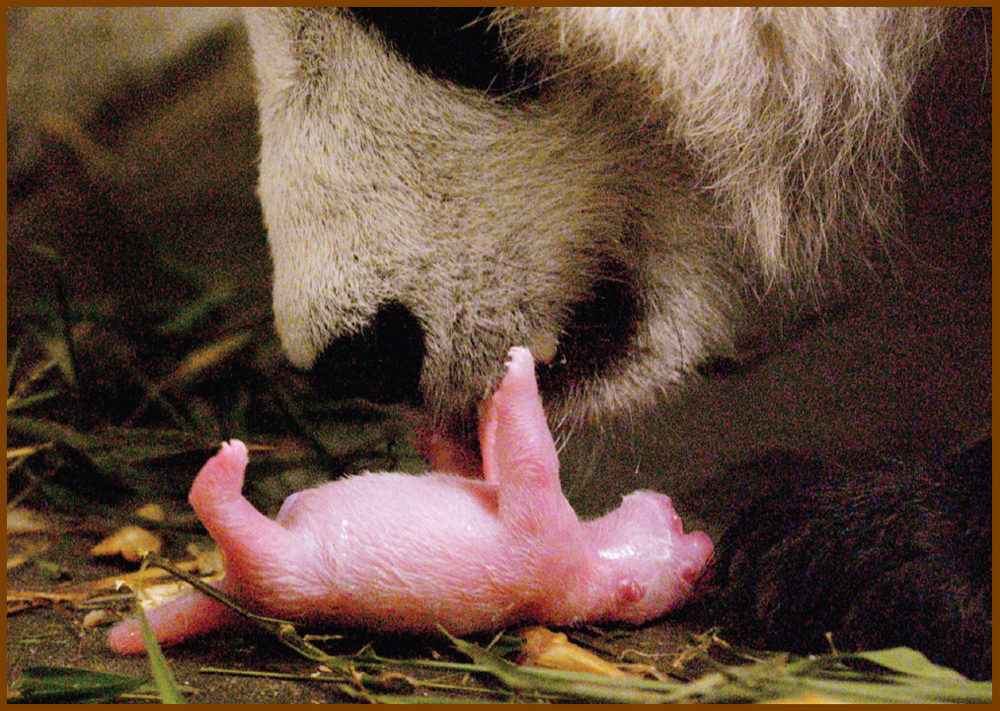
{"points": [[796, 115], [679, 164]]}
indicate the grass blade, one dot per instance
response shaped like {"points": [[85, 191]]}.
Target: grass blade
{"points": [[163, 676]]}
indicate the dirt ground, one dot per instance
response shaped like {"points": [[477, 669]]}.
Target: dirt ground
{"points": [[905, 367]]}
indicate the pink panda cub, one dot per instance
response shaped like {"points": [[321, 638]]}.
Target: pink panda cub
{"points": [[396, 552]]}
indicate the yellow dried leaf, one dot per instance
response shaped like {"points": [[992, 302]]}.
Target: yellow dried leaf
{"points": [[151, 512], [131, 542], [152, 595], [207, 563], [808, 698], [206, 357], [553, 650], [25, 521], [72, 596], [96, 618]]}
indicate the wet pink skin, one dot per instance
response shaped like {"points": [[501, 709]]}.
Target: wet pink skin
{"points": [[395, 552]]}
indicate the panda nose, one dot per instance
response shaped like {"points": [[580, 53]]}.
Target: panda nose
{"points": [[380, 362]]}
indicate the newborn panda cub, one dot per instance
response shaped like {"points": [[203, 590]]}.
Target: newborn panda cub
{"points": [[401, 553]]}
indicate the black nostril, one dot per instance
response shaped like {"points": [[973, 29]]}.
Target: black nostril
{"points": [[381, 362]]}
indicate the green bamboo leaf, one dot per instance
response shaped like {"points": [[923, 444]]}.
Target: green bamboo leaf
{"points": [[563, 684], [118, 453], [912, 662], [52, 432], [53, 571], [12, 359], [190, 315], [26, 402], [205, 357], [43, 684]]}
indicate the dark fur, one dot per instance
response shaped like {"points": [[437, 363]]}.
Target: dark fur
{"points": [[898, 553]]}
